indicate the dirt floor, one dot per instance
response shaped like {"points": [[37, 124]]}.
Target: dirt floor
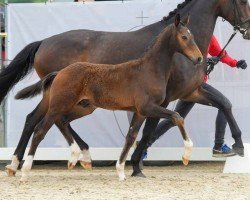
{"points": [[203, 180]]}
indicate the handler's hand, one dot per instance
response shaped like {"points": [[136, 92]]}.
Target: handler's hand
{"points": [[213, 60], [241, 64]]}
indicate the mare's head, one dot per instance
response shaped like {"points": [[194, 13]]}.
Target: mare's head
{"points": [[185, 40], [237, 13]]}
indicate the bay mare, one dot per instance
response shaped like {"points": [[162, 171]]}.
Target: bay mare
{"points": [[138, 86], [54, 53]]}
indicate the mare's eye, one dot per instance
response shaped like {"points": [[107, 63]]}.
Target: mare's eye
{"points": [[244, 1], [184, 37]]}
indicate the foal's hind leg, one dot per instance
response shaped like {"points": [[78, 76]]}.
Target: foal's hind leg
{"points": [[31, 120], [77, 152], [43, 127], [130, 139]]}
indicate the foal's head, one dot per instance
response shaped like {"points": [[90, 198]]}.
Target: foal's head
{"points": [[184, 40]]}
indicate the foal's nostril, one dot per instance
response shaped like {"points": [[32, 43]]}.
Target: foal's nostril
{"points": [[200, 59]]}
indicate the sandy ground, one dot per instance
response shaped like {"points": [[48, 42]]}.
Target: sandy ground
{"points": [[197, 181]]}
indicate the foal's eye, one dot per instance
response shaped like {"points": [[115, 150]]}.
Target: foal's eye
{"points": [[184, 37]]}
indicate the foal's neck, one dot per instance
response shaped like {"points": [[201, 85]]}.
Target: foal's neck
{"points": [[159, 56]]}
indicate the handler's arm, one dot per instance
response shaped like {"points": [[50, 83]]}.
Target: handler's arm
{"points": [[214, 50]]}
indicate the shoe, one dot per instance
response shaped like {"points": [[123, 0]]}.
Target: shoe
{"points": [[224, 151]]}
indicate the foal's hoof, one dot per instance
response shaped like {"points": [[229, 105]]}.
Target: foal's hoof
{"points": [[86, 165], [23, 180], [71, 165], [238, 150], [10, 172], [138, 174], [185, 161]]}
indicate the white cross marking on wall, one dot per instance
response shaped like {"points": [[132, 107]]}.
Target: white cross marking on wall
{"points": [[141, 17]]}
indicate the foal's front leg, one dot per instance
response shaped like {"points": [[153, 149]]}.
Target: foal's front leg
{"points": [[160, 112], [134, 128]]}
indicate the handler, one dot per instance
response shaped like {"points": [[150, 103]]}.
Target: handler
{"points": [[220, 149]]}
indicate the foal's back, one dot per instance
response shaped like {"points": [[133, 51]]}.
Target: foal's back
{"points": [[106, 86]]}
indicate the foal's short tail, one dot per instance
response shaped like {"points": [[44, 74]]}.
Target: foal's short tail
{"points": [[36, 88]]}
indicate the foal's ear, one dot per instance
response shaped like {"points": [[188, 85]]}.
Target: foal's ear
{"points": [[177, 20], [185, 22]]}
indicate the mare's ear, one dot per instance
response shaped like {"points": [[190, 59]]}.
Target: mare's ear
{"points": [[177, 20], [185, 22]]}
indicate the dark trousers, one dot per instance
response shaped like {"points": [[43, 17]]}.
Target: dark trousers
{"points": [[183, 108]]}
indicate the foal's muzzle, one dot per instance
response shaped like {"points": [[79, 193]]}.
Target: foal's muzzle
{"points": [[197, 61]]}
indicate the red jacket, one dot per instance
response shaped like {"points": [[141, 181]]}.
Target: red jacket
{"points": [[214, 50]]}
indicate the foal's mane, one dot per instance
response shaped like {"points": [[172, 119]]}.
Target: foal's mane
{"points": [[176, 10]]}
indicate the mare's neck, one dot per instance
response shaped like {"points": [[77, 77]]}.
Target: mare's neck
{"points": [[203, 16]]}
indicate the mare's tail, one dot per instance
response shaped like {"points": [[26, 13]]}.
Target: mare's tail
{"points": [[19, 67]]}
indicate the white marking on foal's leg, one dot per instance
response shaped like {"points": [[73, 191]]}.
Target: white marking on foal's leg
{"points": [[26, 168], [85, 159], [188, 150], [75, 153], [120, 170], [12, 168]]}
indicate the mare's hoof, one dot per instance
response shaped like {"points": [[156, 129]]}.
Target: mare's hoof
{"points": [[138, 174], [70, 165], [238, 150], [185, 161], [86, 165], [10, 172]]}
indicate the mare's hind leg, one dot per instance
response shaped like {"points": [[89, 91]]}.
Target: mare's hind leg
{"points": [[31, 120], [207, 95], [130, 139], [40, 131], [157, 111]]}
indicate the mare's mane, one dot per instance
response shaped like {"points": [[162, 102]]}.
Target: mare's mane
{"points": [[176, 10]]}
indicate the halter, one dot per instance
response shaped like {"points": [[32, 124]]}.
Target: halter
{"points": [[237, 27]]}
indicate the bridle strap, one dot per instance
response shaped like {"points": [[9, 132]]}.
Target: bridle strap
{"points": [[237, 25]]}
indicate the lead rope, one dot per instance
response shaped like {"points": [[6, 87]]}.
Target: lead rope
{"points": [[210, 66]]}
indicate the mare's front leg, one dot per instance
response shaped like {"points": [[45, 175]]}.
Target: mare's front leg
{"points": [[156, 111], [207, 95], [134, 128]]}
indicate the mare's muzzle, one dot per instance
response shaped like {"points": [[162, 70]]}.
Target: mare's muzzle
{"points": [[245, 29], [246, 35]]}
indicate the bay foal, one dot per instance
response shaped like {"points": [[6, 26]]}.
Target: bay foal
{"points": [[138, 86]]}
